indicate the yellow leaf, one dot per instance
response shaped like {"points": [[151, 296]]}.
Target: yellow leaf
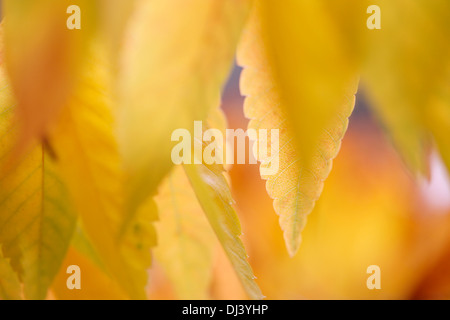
{"points": [[211, 188], [177, 58], [9, 282], [36, 220], [407, 75], [42, 57], [308, 62], [95, 284], [186, 243], [115, 20], [213, 194], [82, 244], [226, 284], [89, 159], [286, 88]]}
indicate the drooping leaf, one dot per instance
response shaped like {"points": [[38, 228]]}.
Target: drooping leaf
{"points": [[36, 217], [211, 188], [43, 57], [9, 281], [185, 240], [277, 93], [407, 76], [309, 63], [213, 194], [88, 155], [175, 64]]}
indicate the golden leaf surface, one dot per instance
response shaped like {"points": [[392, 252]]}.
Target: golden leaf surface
{"points": [[176, 61]]}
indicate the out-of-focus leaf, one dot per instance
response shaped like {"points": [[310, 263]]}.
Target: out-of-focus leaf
{"points": [[36, 220], [9, 282], [320, 119], [95, 284], [89, 159], [226, 284], [185, 240], [82, 244], [43, 58], [212, 191], [115, 18], [435, 284], [408, 75], [177, 58]]}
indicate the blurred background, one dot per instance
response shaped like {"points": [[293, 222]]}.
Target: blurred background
{"points": [[373, 211]]}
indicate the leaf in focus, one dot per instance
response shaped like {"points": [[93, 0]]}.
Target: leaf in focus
{"points": [[408, 74], [9, 282], [36, 220], [186, 242], [308, 62], [213, 194], [43, 57], [177, 58], [276, 92], [89, 158]]}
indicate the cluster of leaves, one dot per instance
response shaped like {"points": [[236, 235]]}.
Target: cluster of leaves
{"points": [[86, 118]]}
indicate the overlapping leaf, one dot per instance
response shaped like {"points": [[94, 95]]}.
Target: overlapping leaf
{"points": [[185, 240], [95, 284], [407, 76], [177, 58], [36, 217], [214, 196], [115, 20], [90, 162], [211, 188], [43, 57]]}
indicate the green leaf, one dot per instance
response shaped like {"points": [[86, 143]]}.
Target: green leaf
{"points": [[36, 220]]}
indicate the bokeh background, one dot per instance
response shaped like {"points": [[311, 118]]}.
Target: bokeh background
{"points": [[373, 211]]}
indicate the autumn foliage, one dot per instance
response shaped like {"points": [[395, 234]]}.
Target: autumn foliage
{"points": [[86, 176]]}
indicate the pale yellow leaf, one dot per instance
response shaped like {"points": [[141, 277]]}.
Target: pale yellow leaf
{"points": [[299, 94], [407, 76], [177, 57], [309, 64], [89, 159], [115, 19], [185, 240]]}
